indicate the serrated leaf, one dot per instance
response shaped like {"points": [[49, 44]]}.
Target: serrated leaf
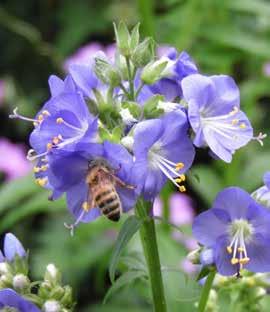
{"points": [[129, 228], [124, 280]]}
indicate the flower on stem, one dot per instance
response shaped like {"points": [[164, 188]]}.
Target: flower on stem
{"points": [[262, 194], [214, 114], [237, 229], [70, 170], [162, 151], [13, 247], [10, 299]]}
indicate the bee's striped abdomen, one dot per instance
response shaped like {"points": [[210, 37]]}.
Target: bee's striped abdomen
{"points": [[109, 203]]}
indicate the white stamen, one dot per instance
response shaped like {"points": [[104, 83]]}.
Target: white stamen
{"points": [[15, 115]]}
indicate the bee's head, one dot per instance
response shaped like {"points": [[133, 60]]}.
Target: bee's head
{"points": [[99, 162]]}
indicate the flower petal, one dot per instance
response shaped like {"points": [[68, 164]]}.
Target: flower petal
{"points": [[13, 247]]}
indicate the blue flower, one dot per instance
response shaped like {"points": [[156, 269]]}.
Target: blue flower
{"points": [[70, 170], [62, 123], [182, 67], [13, 247], [214, 114], [262, 194], [237, 229], [162, 151], [10, 299], [58, 86]]}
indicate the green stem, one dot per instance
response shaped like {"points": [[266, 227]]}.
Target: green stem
{"points": [[150, 249], [130, 80], [206, 291]]}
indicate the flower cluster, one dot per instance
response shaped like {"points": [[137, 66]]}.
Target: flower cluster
{"points": [[16, 287], [137, 114]]}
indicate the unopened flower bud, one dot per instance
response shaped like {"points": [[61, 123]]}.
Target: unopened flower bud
{"points": [[127, 118], [107, 73], [4, 268], [52, 274], [20, 282], [57, 292], [144, 53], [51, 306], [260, 292], [5, 281], [157, 70], [194, 256], [207, 257]]}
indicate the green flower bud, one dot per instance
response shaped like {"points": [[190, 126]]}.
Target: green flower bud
{"points": [[52, 306], [57, 293], [52, 275], [4, 268], [107, 73], [20, 282], [194, 256], [144, 53], [154, 71], [67, 299], [6, 281]]}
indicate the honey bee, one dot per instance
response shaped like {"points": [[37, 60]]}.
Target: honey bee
{"points": [[102, 181]]}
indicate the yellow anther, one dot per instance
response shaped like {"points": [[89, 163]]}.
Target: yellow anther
{"points": [[244, 260], [182, 177], [49, 146], [42, 181], [46, 113], [242, 125], [240, 249], [44, 167], [35, 123], [36, 169], [179, 166], [234, 111], [59, 120], [55, 140], [85, 206], [229, 249], [40, 118], [182, 188], [234, 261], [235, 122]]}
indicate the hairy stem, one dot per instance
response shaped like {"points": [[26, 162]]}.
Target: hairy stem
{"points": [[206, 291], [150, 249]]}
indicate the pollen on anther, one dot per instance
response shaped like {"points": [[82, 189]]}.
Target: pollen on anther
{"points": [[179, 166], [49, 146], [85, 206], [55, 140], [42, 181], [36, 169], [59, 120], [182, 188], [234, 261], [40, 118], [235, 122], [35, 123], [244, 260], [46, 113], [242, 125], [229, 249], [240, 249]]}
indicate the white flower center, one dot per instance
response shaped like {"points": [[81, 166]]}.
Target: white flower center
{"points": [[241, 232]]}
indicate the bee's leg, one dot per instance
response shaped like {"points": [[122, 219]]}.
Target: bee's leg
{"points": [[119, 182]]}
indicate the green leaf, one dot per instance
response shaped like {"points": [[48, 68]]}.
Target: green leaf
{"points": [[129, 228], [203, 273], [150, 107], [124, 280], [17, 190], [135, 37]]}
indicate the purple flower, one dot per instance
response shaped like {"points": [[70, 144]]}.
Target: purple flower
{"points": [[162, 151], [62, 123], [58, 86], [237, 229], [207, 256], [262, 194], [214, 114], [84, 54], [182, 66], [10, 299], [12, 247], [13, 162], [70, 170]]}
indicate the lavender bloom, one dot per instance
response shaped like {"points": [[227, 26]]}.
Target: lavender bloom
{"points": [[13, 247], [207, 257], [182, 66], [262, 195], [214, 114], [69, 172], [58, 86], [10, 299], [13, 162], [237, 229], [162, 151], [62, 123]]}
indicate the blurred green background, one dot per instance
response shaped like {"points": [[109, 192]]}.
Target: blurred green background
{"points": [[36, 37]]}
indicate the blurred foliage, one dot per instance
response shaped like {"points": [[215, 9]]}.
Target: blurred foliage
{"points": [[230, 37]]}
